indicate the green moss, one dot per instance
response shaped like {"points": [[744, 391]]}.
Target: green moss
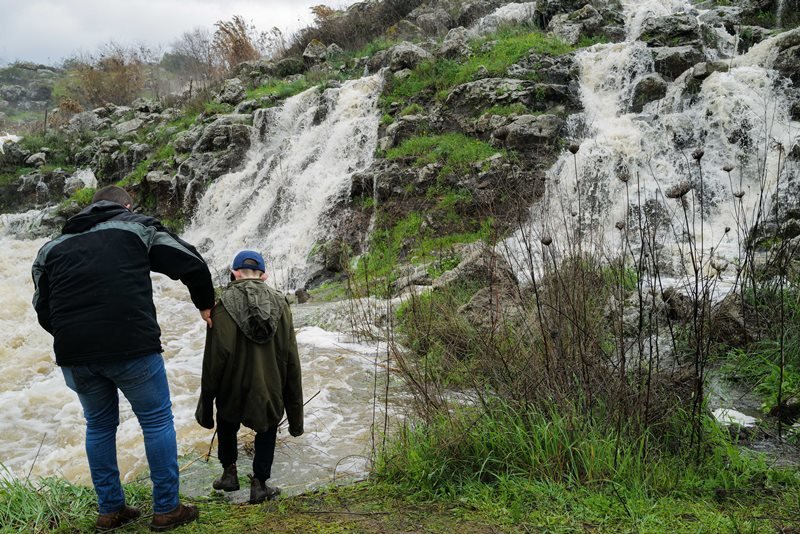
{"points": [[456, 152], [506, 110], [279, 89], [217, 108], [438, 77], [413, 109]]}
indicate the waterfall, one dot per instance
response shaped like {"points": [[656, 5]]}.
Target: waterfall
{"points": [[626, 162], [779, 10], [300, 164]]}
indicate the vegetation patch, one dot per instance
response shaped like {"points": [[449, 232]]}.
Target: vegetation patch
{"points": [[456, 152]]}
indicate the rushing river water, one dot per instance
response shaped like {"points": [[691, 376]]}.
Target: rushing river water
{"points": [[42, 428]]}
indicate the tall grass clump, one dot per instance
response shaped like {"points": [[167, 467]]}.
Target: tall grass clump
{"points": [[52, 504]]}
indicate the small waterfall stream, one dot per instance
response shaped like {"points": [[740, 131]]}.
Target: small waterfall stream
{"points": [[626, 162], [300, 163]]}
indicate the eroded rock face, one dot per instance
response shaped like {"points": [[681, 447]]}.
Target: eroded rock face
{"points": [[406, 56], [675, 30], [650, 88], [232, 92], [671, 62]]}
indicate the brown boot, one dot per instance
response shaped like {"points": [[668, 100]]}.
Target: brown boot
{"points": [[116, 519], [260, 492], [179, 516], [229, 481]]}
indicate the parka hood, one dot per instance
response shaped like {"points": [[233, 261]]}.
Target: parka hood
{"points": [[92, 215], [255, 308]]}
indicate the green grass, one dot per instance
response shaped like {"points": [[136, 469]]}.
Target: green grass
{"points": [[437, 77], [511, 109], [279, 89], [330, 292], [216, 108], [137, 175], [455, 151]]}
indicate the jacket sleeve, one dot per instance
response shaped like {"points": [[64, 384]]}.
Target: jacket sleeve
{"points": [[220, 343], [174, 257], [41, 294], [293, 389]]}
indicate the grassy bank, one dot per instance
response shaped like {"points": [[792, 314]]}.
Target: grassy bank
{"points": [[511, 504]]}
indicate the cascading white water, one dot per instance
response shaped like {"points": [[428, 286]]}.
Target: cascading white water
{"points": [[735, 117], [295, 171], [313, 145]]}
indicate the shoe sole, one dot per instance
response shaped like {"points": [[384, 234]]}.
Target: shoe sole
{"points": [[229, 488]]}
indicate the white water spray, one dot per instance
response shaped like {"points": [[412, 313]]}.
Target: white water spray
{"points": [[277, 203], [735, 117]]}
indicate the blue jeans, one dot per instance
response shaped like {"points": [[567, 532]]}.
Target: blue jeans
{"points": [[143, 381]]}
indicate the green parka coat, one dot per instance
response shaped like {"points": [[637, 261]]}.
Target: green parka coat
{"points": [[250, 365]]}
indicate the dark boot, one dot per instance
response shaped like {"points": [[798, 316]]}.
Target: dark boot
{"points": [[229, 481], [260, 492], [179, 516], [117, 519]]}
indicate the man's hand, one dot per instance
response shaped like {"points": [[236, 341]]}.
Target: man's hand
{"points": [[206, 315]]}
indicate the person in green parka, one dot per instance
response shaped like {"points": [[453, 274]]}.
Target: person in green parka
{"points": [[251, 368]]}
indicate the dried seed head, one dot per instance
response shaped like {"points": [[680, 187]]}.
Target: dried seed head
{"points": [[738, 194], [727, 168], [574, 147], [727, 229], [678, 190], [698, 154], [623, 176], [574, 213], [546, 240], [620, 225]]}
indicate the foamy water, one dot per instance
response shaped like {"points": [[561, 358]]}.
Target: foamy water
{"points": [[42, 427], [736, 118]]}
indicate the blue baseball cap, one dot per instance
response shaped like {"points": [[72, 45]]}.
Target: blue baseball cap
{"points": [[240, 261]]}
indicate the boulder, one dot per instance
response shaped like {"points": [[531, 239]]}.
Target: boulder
{"points": [[673, 30], [528, 130], [184, 141], [147, 105], [404, 128], [12, 93], [729, 17], [472, 10], [648, 89], [584, 21], [315, 53], [670, 62], [12, 154], [435, 22], [36, 160], [128, 126], [787, 63], [289, 67], [728, 323], [492, 308], [455, 45], [85, 121], [334, 51], [232, 92], [507, 15], [406, 55], [302, 295], [481, 94]]}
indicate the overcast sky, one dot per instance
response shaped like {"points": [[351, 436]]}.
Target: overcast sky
{"points": [[47, 31]]}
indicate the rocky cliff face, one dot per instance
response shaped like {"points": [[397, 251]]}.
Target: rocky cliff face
{"points": [[445, 77], [26, 90]]}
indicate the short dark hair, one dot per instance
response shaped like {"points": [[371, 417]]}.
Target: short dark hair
{"points": [[113, 193]]}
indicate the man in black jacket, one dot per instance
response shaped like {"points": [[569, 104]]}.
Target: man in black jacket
{"points": [[93, 293]]}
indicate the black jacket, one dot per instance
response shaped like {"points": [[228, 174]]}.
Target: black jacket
{"points": [[93, 289]]}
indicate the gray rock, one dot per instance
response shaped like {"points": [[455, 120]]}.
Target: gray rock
{"points": [[13, 154], [418, 277], [404, 128], [289, 66], [650, 88], [85, 121], [184, 141], [726, 16], [435, 22], [302, 295], [107, 147], [232, 92], [470, 11], [481, 94], [455, 45], [406, 55], [528, 130], [147, 105], [584, 21], [315, 53], [128, 126], [36, 160], [12, 93], [671, 62], [139, 152], [787, 63], [673, 30], [492, 309], [334, 51]]}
